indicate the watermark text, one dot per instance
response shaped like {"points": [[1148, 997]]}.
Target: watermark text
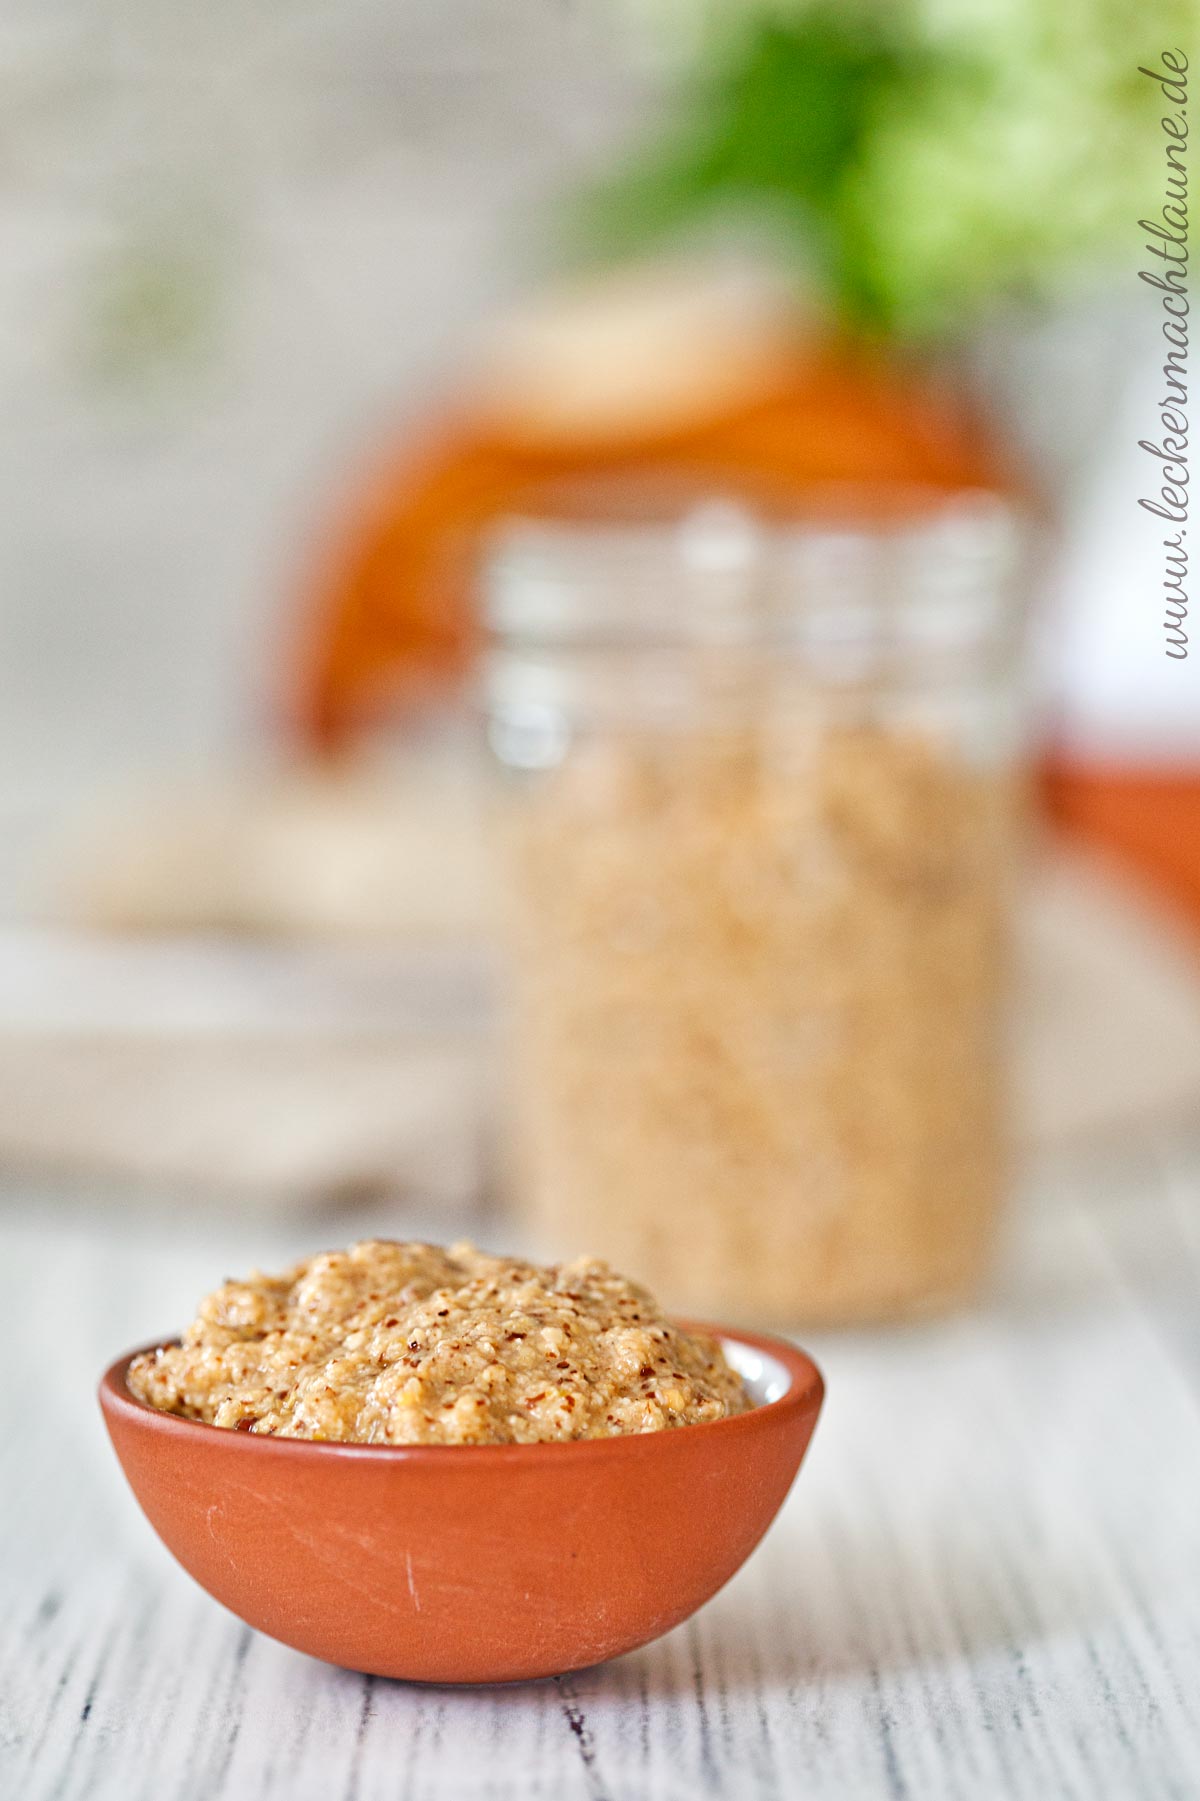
{"points": [[1167, 242]]}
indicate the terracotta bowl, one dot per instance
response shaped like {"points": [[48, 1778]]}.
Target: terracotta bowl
{"points": [[472, 1563]]}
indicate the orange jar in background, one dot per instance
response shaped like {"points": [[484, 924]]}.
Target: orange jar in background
{"points": [[715, 389]]}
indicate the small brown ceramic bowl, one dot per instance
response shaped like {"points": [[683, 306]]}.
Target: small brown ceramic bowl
{"points": [[471, 1563]]}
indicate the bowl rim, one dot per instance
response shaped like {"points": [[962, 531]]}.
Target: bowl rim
{"points": [[801, 1400]]}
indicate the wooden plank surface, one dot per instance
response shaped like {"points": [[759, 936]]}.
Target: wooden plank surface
{"points": [[986, 1582]]}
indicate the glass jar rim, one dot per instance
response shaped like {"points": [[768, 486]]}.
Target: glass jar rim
{"points": [[845, 563]]}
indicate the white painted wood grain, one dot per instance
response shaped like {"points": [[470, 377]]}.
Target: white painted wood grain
{"points": [[986, 1582]]}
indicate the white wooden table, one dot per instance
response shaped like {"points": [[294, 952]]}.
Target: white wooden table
{"points": [[985, 1583]]}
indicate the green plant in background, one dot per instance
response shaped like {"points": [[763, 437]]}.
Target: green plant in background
{"points": [[153, 300], [920, 162]]}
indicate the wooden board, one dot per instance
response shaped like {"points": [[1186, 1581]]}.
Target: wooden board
{"points": [[986, 1582]]}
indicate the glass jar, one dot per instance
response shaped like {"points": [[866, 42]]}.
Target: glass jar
{"points": [[763, 785]]}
